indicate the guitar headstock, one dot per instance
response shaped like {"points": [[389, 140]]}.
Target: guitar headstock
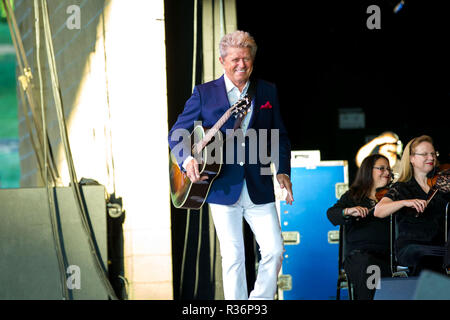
{"points": [[241, 107]]}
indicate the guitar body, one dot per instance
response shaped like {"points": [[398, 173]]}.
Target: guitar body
{"points": [[184, 193], [206, 147]]}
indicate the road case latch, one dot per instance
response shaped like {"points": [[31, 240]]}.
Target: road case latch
{"points": [[291, 237], [333, 236], [285, 282]]}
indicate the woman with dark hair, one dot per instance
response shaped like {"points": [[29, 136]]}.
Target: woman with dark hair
{"points": [[366, 237]]}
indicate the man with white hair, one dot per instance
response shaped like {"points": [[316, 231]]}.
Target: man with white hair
{"points": [[242, 190]]}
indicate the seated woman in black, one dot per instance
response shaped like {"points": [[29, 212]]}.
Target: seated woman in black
{"points": [[366, 237], [420, 242]]}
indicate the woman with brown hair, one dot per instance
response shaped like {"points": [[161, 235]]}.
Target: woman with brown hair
{"points": [[366, 237]]}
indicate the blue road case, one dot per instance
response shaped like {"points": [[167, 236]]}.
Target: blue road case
{"points": [[310, 265]]}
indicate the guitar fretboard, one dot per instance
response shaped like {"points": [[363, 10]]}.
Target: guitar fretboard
{"points": [[197, 148]]}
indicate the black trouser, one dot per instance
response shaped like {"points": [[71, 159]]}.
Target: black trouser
{"points": [[356, 267], [418, 257]]}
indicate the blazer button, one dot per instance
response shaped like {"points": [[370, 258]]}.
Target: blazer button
{"points": [[241, 164]]}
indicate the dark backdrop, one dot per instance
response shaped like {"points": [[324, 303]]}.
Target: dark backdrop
{"points": [[322, 57]]}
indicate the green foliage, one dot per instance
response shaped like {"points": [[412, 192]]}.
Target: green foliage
{"points": [[3, 10], [8, 97], [5, 35], [9, 132]]}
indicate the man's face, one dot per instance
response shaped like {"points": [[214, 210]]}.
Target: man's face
{"points": [[238, 65]]}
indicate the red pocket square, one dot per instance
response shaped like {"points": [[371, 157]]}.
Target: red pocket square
{"points": [[266, 106]]}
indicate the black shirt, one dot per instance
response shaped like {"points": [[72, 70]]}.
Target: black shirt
{"points": [[426, 227], [369, 234]]}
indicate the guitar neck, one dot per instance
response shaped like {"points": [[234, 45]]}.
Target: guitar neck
{"points": [[211, 132], [240, 105]]}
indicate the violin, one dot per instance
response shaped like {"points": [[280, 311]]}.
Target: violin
{"points": [[378, 195], [439, 180], [443, 168], [381, 192]]}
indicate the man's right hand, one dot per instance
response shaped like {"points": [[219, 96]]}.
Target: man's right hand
{"points": [[193, 173]]}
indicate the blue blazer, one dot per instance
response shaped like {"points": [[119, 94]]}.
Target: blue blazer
{"points": [[209, 101]]}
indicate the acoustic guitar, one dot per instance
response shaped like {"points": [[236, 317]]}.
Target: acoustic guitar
{"points": [[185, 194]]}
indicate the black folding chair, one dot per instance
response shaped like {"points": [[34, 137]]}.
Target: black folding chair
{"points": [[401, 271], [447, 241], [342, 281], [396, 270]]}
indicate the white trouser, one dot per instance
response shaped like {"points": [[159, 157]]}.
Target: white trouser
{"points": [[264, 222]]}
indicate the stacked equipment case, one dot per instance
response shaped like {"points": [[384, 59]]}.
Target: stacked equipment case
{"points": [[310, 264]]}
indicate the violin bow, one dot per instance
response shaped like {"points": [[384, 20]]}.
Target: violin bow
{"points": [[442, 184]]}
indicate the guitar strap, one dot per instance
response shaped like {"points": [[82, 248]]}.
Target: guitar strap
{"points": [[251, 92]]}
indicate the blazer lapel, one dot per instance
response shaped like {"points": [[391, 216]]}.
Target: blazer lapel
{"points": [[254, 95], [220, 92]]}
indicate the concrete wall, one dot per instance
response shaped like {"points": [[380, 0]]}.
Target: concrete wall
{"points": [[113, 83]]}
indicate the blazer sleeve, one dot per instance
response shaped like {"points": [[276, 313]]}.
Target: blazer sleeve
{"points": [[179, 134], [284, 160]]}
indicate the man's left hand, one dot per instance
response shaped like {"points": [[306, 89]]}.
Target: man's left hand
{"points": [[285, 182]]}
